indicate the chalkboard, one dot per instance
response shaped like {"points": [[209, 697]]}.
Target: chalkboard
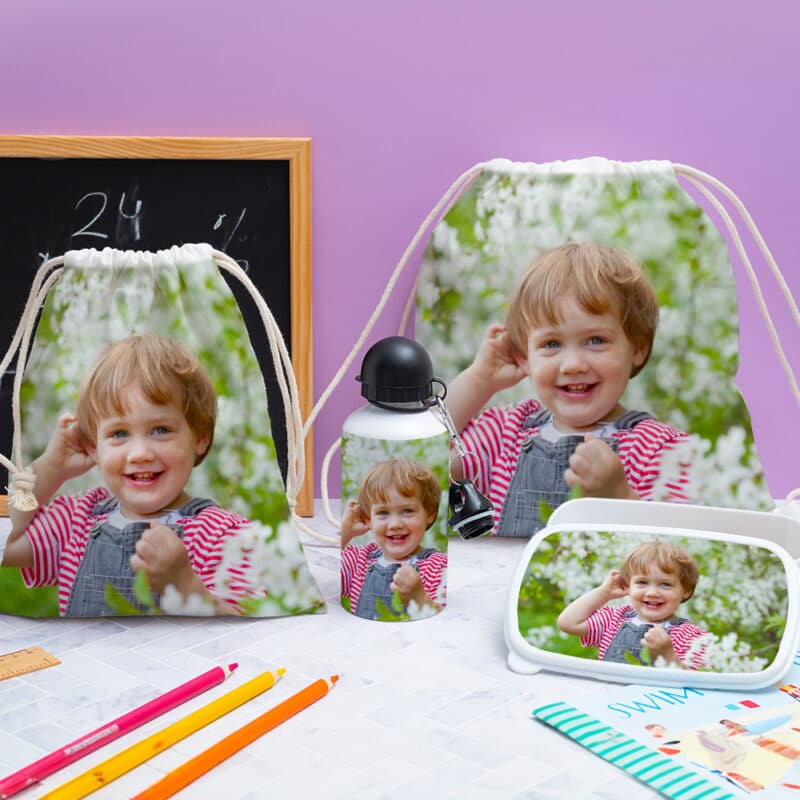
{"points": [[250, 198]]}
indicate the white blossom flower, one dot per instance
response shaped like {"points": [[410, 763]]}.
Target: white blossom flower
{"points": [[275, 570], [173, 602], [416, 611]]}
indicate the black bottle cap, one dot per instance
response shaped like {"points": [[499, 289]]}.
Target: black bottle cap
{"points": [[397, 373]]}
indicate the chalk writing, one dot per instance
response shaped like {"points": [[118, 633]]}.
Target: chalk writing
{"points": [[84, 231], [133, 217], [235, 228]]}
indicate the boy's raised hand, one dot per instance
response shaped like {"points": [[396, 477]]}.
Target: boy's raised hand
{"points": [[598, 471], [352, 524], [64, 456], [492, 370], [494, 363], [62, 459], [573, 619], [613, 586]]}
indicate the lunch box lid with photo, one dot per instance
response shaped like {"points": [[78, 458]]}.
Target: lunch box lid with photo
{"points": [[743, 552]]}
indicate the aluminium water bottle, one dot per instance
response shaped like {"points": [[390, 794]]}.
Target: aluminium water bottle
{"points": [[395, 478]]}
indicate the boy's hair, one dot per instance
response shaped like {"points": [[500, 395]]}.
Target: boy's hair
{"points": [[602, 279], [407, 478], [163, 370], [667, 557]]}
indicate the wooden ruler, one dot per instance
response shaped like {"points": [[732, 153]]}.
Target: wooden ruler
{"points": [[21, 662]]}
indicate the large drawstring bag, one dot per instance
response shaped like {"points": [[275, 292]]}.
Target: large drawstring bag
{"points": [[498, 216], [89, 299]]}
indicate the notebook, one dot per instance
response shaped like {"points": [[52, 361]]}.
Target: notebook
{"points": [[693, 743]]}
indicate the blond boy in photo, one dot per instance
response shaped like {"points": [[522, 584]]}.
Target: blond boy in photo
{"points": [[145, 417], [580, 324], [397, 503], [656, 577]]}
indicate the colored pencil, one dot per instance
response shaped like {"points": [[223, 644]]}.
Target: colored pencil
{"points": [[137, 754], [38, 770], [181, 777]]}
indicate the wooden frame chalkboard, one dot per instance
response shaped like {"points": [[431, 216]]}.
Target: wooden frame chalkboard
{"points": [[250, 198]]}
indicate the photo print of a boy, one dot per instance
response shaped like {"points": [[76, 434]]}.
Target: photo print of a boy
{"points": [[397, 504]]}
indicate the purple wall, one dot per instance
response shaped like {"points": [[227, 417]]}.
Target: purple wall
{"points": [[401, 97]]}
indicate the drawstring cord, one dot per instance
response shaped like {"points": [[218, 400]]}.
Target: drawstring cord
{"points": [[448, 199]]}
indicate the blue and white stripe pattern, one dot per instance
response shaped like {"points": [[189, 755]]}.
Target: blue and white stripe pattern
{"points": [[644, 763]]}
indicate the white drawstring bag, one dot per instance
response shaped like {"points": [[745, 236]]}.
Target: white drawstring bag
{"points": [[92, 298], [499, 215]]}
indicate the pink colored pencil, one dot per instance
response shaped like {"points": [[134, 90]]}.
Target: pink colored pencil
{"points": [[90, 742]]}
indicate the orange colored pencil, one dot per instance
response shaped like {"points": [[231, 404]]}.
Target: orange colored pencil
{"points": [[181, 777]]}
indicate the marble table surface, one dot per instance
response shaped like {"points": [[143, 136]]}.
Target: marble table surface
{"points": [[425, 709]]}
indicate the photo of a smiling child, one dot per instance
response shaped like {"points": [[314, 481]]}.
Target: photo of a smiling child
{"points": [[147, 454], [399, 573], [656, 578], [584, 317], [672, 602], [145, 417], [580, 324]]}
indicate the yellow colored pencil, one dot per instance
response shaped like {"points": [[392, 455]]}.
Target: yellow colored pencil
{"points": [[96, 777], [176, 780]]}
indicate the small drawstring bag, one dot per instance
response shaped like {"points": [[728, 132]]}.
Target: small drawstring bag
{"points": [[499, 215], [89, 299]]}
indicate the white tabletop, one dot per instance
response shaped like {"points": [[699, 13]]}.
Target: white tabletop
{"points": [[422, 709]]}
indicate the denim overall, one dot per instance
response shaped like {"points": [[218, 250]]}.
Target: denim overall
{"points": [[628, 639], [539, 474], [108, 558], [378, 580]]}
